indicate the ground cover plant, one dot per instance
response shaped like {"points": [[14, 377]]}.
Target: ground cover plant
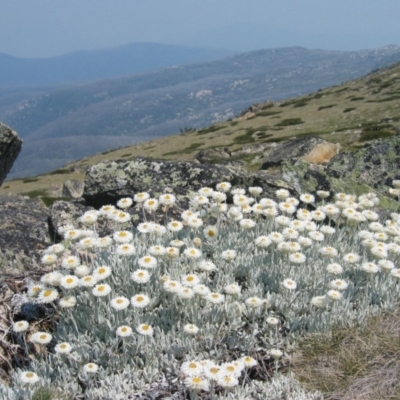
{"points": [[208, 306]]}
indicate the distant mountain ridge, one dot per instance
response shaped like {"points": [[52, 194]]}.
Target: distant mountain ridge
{"points": [[81, 120], [99, 64]]}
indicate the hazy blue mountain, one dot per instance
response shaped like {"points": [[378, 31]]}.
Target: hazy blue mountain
{"points": [[75, 121], [105, 63]]}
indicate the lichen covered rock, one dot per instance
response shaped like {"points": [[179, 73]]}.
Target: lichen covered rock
{"points": [[108, 181], [309, 148], [10, 146]]}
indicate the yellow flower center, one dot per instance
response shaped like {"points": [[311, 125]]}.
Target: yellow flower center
{"points": [[145, 327], [44, 336], [29, 374], [102, 270], [100, 288], [196, 379], [139, 298], [192, 365], [47, 293], [69, 280], [214, 370], [211, 233], [120, 301]]}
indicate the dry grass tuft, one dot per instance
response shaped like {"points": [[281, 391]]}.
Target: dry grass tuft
{"points": [[353, 363]]}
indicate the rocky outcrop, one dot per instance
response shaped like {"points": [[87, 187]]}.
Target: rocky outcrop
{"points": [[311, 149], [72, 189], [109, 181], [212, 156], [10, 146], [371, 168], [24, 231]]}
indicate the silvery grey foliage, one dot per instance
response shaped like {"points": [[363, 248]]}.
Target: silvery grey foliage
{"points": [[292, 274]]}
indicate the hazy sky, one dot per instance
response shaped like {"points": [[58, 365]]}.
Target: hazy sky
{"points": [[44, 28]]}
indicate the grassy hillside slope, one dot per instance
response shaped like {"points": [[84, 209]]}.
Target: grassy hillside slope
{"points": [[349, 114], [74, 122]]}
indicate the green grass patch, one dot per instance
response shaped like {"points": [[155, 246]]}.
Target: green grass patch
{"points": [[34, 193], [268, 113], [341, 90], [186, 150], [126, 155], [325, 107], [349, 109], [290, 121], [357, 98], [266, 106], [234, 123], [61, 171], [391, 98], [374, 134], [30, 180], [296, 103], [245, 138], [211, 129]]}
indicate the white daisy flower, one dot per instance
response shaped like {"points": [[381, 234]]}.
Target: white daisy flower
{"points": [[172, 286], [190, 280], [124, 331], [289, 284], [334, 294], [194, 222], [119, 303], [140, 276], [297, 258], [150, 205], [192, 252], [47, 295], [318, 301], [63, 348], [172, 252], [20, 326], [229, 255], [157, 250], [125, 202], [67, 302], [104, 242], [140, 300], [149, 262], [249, 361], [123, 236], [247, 223], [191, 329], [228, 381], [338, 284], [276, 354], [167, 199], [122, 217], [223, 186], [49, 259], [254, 302], [101, 290], [41, 338], [215, 298], [82, 270], [210, 232], [28, 377], [334, 269], [125, 249], [140, 197], [201, 290], [88, 281], [233, 289], [282, 194], [145, 330], [69, 282], [192, 368], [263, 241], [323, 194], [185, 293], [91, 368], [272, 321], [70, 262], [175, 226]]}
